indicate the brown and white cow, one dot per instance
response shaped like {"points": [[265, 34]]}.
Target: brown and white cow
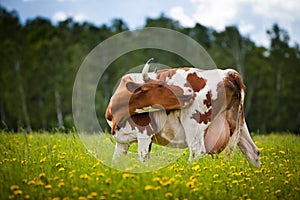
{"points": [[182, 107]]}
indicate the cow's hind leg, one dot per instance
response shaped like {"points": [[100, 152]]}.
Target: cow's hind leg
{"points": [[120, 149]]}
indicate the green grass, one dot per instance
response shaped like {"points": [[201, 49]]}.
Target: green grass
{"points": [[58, 166]]}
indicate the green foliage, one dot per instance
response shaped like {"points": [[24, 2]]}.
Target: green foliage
{"points": [[57, 166], [39, 62]]}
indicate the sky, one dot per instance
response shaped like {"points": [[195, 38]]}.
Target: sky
{"points": [[252, 17]]}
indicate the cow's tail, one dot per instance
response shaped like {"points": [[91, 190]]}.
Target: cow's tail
{"points": [[235, 109]]}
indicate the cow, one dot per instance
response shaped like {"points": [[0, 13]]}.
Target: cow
{"points": [[181, 107]]}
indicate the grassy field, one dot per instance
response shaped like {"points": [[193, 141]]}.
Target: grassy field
{"points": [[58, 166]]}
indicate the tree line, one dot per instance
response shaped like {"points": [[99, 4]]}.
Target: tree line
{"points": [[39, 62]]}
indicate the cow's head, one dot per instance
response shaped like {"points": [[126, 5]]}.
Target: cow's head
{"points": [[132, 98]]}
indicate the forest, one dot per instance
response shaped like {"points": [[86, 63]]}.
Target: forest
{"points": [[39, 62]]}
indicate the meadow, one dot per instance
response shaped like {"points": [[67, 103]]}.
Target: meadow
{"points": [[58, 166]]}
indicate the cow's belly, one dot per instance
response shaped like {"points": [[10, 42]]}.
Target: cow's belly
{"points": [[171, 133]]}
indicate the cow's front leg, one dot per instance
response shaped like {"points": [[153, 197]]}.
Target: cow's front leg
{"points": [[120, 149], [196, 145], [144, 146], [195, 139]]}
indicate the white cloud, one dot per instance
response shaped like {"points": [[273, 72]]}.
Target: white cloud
{"points": [[216, 13], [60, 16], [252, 17], [177, 13], [80, 17]]}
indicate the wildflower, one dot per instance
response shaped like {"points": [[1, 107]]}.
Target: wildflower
{"points": [[100, 174], [125, 176], [14, 187], [168, 194], [196, 168], [58, 164], [108, 181], [271, 178], [190, 184], [75, 188], [82, 198], [18, 192], [102, 197], [84, 176], [148, 187], [26, 196], [61, 184], [215, 175], [94, 194], [61, 169], [277, 191], [235, 181], [48, 187], [282, 152], [43, 160]]}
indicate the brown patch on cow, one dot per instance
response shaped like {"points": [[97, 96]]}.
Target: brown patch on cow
{"points": [[144, 121], [202, 118], [208, 100], [195, 82]]}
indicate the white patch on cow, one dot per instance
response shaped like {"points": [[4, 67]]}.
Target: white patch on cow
{"points": [[213, 77], [126, 134], [179, 79]]}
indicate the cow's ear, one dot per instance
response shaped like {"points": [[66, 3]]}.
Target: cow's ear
{"points": [[133, 87]]}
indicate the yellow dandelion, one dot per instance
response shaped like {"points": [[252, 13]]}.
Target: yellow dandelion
{"points": [[277, 191], [289, 175], [149, 187], [108, 181], [75, 188], [26, 196], [215, 175], [42, 175], [286, 182], [82, 198], [235, 181], [157, 188], [126, 176], [157, 179], [102, 197], [232, 167], [18, 192], [61, 184], [14, 187], [57, 164], [100, 174], [196, 168], [84, 176], [281, 165], [252, 187], [11, 197], [56, 198], [271, 178], [94, 194], [190, 184], [168, 194], [266, 191], [66, 198], [118, 191], [282, 152], [48, 187]]}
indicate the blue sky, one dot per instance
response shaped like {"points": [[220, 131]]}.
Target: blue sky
{"points": [[253, 17]]}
